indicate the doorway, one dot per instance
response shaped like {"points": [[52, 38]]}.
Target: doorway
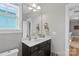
{"points": [[72, 29]]}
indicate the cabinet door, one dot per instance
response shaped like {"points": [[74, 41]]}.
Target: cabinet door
{"points": [[41, 53], [46, 51], [24, 50], [36, 53]]}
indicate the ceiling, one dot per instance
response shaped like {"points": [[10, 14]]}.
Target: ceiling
{"points": [[25, 8], [26, 5], [74, 13]]}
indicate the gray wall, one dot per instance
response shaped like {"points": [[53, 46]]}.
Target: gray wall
{"points": [[9, 41], [56, 19]]}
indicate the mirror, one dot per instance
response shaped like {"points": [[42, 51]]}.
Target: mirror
{"points": [[32, 15]]}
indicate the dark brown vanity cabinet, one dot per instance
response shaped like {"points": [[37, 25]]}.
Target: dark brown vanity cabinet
{"points": [[42, 49]]}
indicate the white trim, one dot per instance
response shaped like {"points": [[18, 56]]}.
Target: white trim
{"points": [[10, 31], [20, 17], [17, 18], [66, 30], [8, 4], [59, 53]]}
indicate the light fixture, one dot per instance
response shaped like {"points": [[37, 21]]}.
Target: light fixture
{"points": [[34, 10], [34, 5], [30, 8], [38, 7]]}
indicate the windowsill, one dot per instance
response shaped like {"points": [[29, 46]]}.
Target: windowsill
{"points": [[10, 31]]}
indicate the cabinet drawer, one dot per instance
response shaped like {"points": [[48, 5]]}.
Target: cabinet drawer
{"points": [[34, 48], [46, 43]]}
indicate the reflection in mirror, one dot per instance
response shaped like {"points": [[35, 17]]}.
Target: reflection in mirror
{"points": [[37, 25], [29, 30]]}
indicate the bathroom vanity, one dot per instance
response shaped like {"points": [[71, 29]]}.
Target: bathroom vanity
{"points": [[40, 47], [36, 34]]}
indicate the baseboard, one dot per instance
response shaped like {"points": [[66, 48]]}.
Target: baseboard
{"points": [[58, 53], [54, 54]]}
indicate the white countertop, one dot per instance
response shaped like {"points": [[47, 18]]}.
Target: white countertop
{"points": [[33, 42]]}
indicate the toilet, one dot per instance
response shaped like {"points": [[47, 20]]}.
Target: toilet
{"points": [[13, 52]]}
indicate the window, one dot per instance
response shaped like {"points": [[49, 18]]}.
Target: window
{"points": [[8, 16], [76, 27]]}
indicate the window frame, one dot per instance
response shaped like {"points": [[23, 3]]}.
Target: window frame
{"points": [[17, 18]]}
